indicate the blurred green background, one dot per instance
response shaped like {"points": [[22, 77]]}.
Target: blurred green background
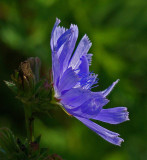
{"points": [[118, 31]]}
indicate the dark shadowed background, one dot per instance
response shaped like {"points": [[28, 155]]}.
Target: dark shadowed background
{"points": [[118, 31]]}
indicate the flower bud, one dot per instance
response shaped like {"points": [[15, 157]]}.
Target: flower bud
{"points": [[30, 88]]}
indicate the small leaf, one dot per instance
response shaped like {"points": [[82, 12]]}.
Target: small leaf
{"points": [[8, 141], [11, 85], [9, 149]]}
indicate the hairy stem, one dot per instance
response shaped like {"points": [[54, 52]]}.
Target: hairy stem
{"points": [[29, 122]]}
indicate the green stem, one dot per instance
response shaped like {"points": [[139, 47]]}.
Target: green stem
{"points": [[29, 122]]}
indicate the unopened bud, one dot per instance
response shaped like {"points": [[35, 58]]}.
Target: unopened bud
{"points": [[26, 77]]}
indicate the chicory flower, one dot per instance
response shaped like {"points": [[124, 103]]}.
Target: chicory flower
{"points": [[72, 82]]}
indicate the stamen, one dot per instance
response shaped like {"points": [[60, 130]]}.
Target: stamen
{"points": [[88, 80]]}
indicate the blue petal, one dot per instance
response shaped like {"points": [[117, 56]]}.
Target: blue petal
{"points": [[53, 35], [63, 38], [84, 66], [68, 48], [93, 106], [68, 80], [55, 69], [57, 34], [109, 89], [113, 115], [71, 45], [75, 97], [89, 58], [89, 109], [109, 136], [81, 50]]}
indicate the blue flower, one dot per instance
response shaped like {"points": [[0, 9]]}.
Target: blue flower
{"points": [[73, 81]]}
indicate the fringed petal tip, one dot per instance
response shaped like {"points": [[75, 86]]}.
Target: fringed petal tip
{"points": [[115, 139], [106, 134], [74, 26], [117, 81], [87, 39], [58, 20], [89, 58], [119, 141], [126, 114], [109, 89], [113, 115], [114, 83]]}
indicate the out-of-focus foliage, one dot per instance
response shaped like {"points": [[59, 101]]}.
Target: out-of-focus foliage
{"points": [[117, 29], [12, 148]]}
